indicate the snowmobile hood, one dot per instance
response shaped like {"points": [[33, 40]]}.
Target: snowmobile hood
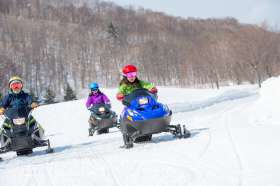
{"points": [[142, 105]]}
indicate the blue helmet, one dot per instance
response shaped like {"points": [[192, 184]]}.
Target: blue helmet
{"points": [[94, 86]]}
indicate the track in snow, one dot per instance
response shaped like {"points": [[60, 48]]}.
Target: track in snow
{"points": [[210, 157]]}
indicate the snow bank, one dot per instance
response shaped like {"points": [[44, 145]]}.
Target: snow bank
{"points": [[270, 92], [218, 96], [267, 108]]}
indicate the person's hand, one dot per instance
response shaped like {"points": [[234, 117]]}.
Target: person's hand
{"points": [[153, 90], [89, 107], [120, 96], [2, 111], [108, 105], [34, 105]]}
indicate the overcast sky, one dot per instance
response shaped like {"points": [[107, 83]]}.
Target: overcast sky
{"points": [[246, 11]]}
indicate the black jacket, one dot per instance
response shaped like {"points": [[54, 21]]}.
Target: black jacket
{"points": [[17, 105]]}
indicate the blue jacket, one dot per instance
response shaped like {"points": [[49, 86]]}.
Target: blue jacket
{"points": [[17, 104]]}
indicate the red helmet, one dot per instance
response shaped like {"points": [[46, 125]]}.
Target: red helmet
{"points": [[129, 68]]}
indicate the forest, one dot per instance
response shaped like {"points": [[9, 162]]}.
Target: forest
{"points": [[54, 43]]}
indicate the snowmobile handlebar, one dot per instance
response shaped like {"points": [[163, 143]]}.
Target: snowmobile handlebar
{"points": [[4, 116], [94, 107]]}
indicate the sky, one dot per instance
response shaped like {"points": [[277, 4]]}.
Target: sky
{"points": [[246, 11]]}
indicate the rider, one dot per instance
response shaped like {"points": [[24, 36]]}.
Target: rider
{"points": [[130, 82], [17, 103], [96, 97]]}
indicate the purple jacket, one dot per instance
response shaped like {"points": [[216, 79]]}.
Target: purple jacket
{"points": [[97, 98]]}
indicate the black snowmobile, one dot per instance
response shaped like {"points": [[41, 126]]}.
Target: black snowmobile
{"points": [[101, 119], [22, 135], [143, 116]]}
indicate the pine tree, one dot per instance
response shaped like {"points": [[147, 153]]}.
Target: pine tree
{"points": [[69, 93], [49, 97], [112, 30]]}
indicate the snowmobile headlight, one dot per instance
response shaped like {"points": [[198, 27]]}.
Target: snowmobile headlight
{"points": [[143, 101], [19, 121], [101, 109]]}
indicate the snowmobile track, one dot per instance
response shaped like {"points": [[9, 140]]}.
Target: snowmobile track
{"points": [[112, 172], [108, 167], [230, 136]]}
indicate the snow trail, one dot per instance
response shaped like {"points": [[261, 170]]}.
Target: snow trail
{"points": [[220, 151]]}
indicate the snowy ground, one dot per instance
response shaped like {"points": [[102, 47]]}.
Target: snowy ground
{"points": [[235, 141]]}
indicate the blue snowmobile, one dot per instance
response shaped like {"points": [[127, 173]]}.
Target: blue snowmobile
{"points": [[143, 116]]}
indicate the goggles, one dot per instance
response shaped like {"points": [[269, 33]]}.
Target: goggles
{"points": [[130, 74], [16, 85], [94, 90]]}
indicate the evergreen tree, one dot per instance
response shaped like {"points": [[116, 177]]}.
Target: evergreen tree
{"points": [[49, 97], [112, 31], [69, 93]]}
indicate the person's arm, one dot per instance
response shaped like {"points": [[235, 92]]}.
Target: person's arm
{"points": [[121, 93], [88, 103], [5, 102], [149, 86], [106, 99], [30, 102], [146, 85]]}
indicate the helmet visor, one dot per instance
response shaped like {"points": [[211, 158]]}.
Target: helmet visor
{"points": [[16, 85], [130, 74]]}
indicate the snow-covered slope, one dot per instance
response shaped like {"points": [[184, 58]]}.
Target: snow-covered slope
{"points": [[234, 142]]}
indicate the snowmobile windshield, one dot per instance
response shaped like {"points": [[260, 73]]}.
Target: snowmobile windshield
{"points": [[100, 108], [21, 112], [135, 94]]}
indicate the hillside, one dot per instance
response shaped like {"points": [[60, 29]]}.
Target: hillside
{"points": [[235, 139]]}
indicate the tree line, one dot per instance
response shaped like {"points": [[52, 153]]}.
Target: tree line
{"points": [[54, 43]]}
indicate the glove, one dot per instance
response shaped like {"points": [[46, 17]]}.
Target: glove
{"points": [[120, 96], [34, 105], [2, 111], [153, 90], [108, 105]]}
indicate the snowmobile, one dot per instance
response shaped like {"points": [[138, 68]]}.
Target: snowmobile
{"points": [[22, 135], [102, 118], [144, 116]]}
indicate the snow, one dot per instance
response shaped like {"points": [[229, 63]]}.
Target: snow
{"points": [[268, 105], [235, 140]]}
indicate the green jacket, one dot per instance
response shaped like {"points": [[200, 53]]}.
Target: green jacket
{"points": [[126, 89]]}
